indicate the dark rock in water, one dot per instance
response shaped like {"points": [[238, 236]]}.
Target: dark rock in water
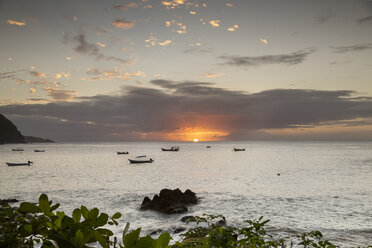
{"points": [[186, 218], [3, 201], [179, 229], [221, 223], [170, 201], [31, 139], [9, 133], [156, 231]]}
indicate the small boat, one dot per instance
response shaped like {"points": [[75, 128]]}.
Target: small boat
{"points": [[140, 160], [17, 149], [208, 146], [39, 150], [239, 149], [20, 164], [119, 153], [172, 149]]}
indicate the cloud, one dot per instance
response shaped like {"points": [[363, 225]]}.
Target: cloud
{"points": [[87, 48], [121, 7], [230, 5], [127, 6], [154, 41], [288, 59], [364, 20], [17, 23], [176, 107], [37, 74], [233, 28], [60, 95], [123, 24], [165, 43], [97, 74], [212, 75], [263, 40], [215, 23], [352, 48], [325, 16]]}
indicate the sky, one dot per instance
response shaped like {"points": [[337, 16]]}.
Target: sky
{"points": [[178, 70]]}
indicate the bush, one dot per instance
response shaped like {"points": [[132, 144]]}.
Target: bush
{"points": [[30, 223]]}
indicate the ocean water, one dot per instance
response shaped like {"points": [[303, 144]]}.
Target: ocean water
{"points": [[325, 186]]}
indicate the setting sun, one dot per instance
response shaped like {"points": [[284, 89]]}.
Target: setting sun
{"points": [[196, 140]]}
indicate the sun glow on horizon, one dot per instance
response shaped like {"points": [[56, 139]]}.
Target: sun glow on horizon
{"points": [[196, 140]]}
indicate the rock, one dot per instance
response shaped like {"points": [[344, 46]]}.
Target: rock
{"points": [[186, 218], [179, 229], [9, 133], [8, 201], [221, 223], [156, 231], [170, 201], [31, 139]]}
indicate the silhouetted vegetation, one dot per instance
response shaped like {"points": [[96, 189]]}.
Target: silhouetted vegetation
{"points": [[30, 223]]}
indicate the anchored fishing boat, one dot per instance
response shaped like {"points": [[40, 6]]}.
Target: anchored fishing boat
{"points": [[17, 149], [20, 164], [172, 149], [140, 160], [239, 149]]}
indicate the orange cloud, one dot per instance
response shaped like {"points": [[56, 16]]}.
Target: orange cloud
{"points": [[215, 23], [12, 22], [165, 43], [212, 75], [233, 28], [123, 24]]}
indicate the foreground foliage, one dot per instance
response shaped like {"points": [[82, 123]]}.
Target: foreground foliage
{"points": [[40, 223]]}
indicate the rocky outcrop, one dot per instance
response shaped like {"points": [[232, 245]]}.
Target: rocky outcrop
{"points": [[170, 201], [31, 139], [9, 133]]}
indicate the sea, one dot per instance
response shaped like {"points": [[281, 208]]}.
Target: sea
{"points": [[325, 186]]}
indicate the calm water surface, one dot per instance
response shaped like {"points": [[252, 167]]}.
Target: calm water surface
{"points": [[324, 186]]}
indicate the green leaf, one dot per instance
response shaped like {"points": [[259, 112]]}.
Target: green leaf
{"points": [[131, 238], [54, 207], [44, 204], [27, 207], [28, 229], [101, 239], [102, 220], [79, 239], [144, 242], [163, 240], [125, 231], [76, 215], [93, 214], [84, 212], [116, 215]]}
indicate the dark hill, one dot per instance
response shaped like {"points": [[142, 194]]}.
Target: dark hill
{"points": [[9, 133]]}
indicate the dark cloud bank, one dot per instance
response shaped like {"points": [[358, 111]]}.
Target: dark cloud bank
{"points": [[168, 105]]}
